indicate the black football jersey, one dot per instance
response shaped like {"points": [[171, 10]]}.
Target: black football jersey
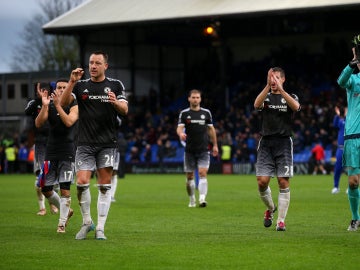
{"points": [[61, 141], [196, 128], [97, 116], [277, 116]]}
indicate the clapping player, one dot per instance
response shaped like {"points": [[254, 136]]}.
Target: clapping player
{"points": [[58, 167], [275, 148]]}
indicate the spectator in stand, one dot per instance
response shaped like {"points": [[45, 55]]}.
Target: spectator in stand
{"points": [[165, 149], [298, 142], [134, 155], [139, 139], [225, 153], [151, 135], [11, 154], [30, 160], [169, 150], [147, 154], [318, 154], [339, 123], [242, 154], [160, 153], [23, 154]]}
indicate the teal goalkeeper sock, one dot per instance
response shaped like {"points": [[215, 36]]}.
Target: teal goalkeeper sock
{"points": [[354, 197]]}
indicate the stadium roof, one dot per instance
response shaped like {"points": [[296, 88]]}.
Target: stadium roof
{"points": [[109, 13]]}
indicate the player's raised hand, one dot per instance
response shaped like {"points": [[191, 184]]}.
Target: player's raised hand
{"points": [[56, 97], [45, 98], [269, 75], [76, 74]]}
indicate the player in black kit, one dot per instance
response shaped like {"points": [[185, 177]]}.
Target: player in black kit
{"points": [[275, 148], [195, 126], [58, 167], [100, 100], [41, 135]]}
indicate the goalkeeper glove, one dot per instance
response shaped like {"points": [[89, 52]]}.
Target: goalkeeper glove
{"points": [[353, 63], [356, 43], [356, 40]]}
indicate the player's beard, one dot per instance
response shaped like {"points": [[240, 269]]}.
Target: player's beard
{"points": [[194, 105], [96, 76]]}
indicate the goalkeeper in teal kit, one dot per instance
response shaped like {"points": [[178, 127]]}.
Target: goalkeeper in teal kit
{"points": [[351, 157]]}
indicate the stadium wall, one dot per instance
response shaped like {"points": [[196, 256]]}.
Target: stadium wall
{"points": [[215, 168]]}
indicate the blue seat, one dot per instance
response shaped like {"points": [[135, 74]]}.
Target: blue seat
{"points": [[154, 152]]}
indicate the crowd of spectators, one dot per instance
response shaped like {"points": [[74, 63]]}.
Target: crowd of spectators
{"points": [[16, 156]]}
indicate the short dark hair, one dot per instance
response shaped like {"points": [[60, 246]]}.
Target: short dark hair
{"points": [[106, 57], [279, 69], [194, 91], [61, 80]]}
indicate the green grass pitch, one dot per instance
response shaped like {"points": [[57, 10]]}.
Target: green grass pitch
{"points": [[150, 227]]}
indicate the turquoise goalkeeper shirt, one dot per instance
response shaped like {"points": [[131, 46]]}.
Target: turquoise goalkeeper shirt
{"points": [[351, 82]]}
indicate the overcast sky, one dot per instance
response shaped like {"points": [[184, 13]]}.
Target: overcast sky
{"points": [[14, 14]]}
